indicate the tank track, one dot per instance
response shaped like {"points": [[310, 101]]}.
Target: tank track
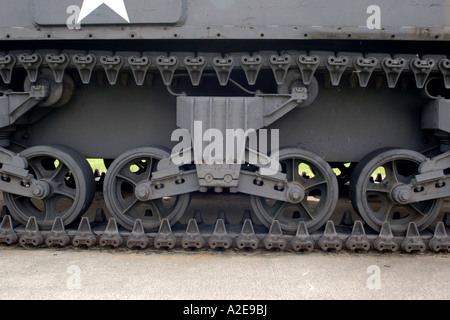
{"points": [[362, 66], [194, 233]]}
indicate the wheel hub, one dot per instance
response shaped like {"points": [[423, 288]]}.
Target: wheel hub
{"points": [[143, 191], [41, 190], [296, 194], [402, 194]]}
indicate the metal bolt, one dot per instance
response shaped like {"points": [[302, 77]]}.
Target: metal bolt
{"points": [[402, 194], [143, 192], [38, 191], [209, 178], [296, 194], [228, 178]]}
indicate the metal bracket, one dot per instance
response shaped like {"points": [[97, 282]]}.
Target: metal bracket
{"points": [[7, 64], [167, 67], [16, 179], [336, 67], [237, 112], [421, 69], [223, 68], [276, 106], [195, 67], [57, 64], [13, 105], [364, 68], [273, 187], [139, 66], [164, 184], [280, 66], [251, 65], [444, 66], [112, 65], [308, 66], [85, 64], [393, 69], [440, 162], [31, 63], [13, 164]]}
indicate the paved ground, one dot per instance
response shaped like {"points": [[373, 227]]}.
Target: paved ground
{"points": [[73, 273]]}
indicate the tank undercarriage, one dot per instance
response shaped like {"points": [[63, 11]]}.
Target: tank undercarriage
{"points": [[363, 149]]}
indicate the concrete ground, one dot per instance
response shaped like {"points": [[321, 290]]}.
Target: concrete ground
{"points": [[72, 273]]}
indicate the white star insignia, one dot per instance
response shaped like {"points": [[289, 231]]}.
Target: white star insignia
{"points": [[90, 5]]}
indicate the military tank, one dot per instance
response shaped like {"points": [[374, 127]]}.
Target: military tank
{"points": [[290, 125]]}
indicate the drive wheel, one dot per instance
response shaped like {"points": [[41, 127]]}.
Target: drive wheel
{"points": [[370, 189], [319, 182], [71, 182], [124, 174]]}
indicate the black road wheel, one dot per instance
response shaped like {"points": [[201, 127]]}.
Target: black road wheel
{"points": [[124, 174], [370, 189], [318, 181], [71, 182]]}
